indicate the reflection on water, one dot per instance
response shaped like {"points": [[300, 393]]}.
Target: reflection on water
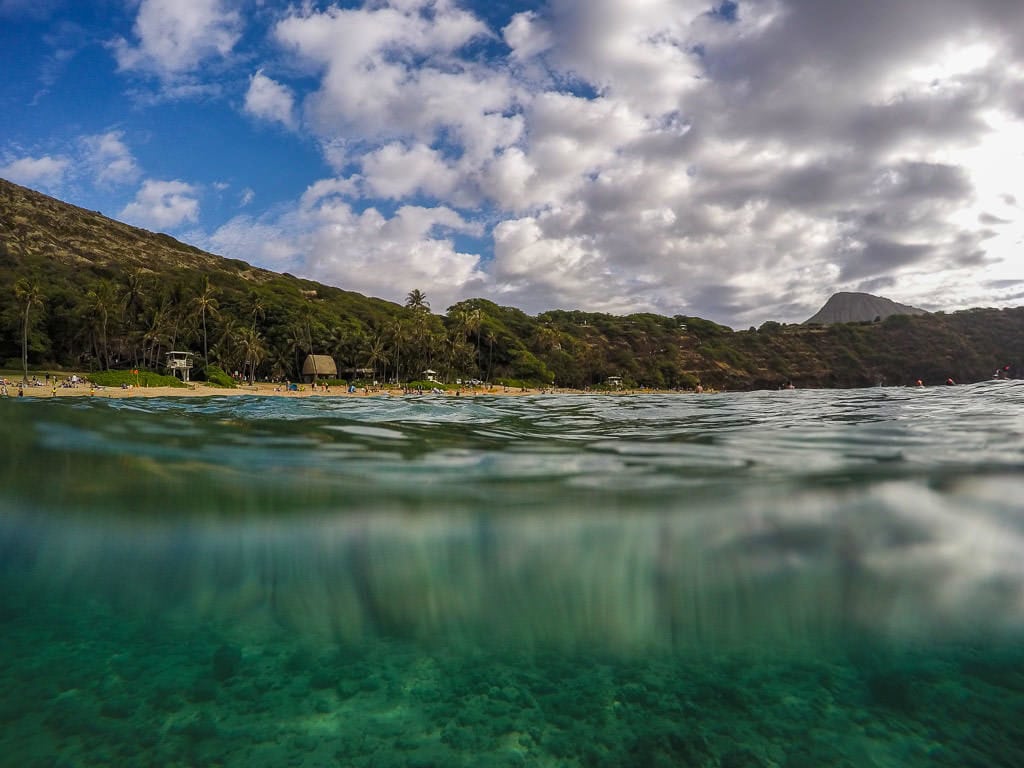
{"points": [[543, 581]]}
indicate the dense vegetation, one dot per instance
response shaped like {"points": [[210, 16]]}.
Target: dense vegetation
{"points": [[83, 292]]}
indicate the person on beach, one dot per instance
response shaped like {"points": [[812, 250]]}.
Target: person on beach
{"points": [[950, 382]]}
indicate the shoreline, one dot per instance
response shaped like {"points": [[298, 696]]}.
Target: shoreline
{"points": [[198, 389]]}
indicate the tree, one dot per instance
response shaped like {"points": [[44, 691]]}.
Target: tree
{"points": [[257, 308], [377, 353], [417, 301], [98, 303], [396, 330], [206, 302], [296, 341], [475, 323], [28, 295], [491, 338], [131, 304], [226, 350], [252, 343], [155, 334]]}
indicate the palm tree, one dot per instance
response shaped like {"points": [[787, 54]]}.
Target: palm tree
{"points": [[296, 341], [397, 332], [155, 334], [458, 323], [257, 308], [474, 322], [251, 341], [131, 304], [417, 301], [546, 338], [205, 302], [377, 353], [225, 351], [491, 338], [28, 295], [98, 303]]}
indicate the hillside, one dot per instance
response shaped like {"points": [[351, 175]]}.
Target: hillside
{"points": [[847, 307], [101, 294]]}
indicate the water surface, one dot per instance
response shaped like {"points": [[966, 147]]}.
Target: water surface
{"points": [[799, 578]]}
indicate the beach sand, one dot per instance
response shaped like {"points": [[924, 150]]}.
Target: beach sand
{"points": [[200, 389]]}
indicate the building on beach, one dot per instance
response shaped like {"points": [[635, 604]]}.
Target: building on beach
{"points": [[179, 364], [316, 367]]}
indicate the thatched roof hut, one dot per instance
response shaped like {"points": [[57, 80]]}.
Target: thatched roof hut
{"points": [[319, 367]]}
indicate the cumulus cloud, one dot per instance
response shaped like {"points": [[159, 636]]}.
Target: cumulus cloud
{"points": [[45, 172], [275, 245], [173, 37], [109, 158], [395, 171], [372, 253], [328, 239], [162, 205], [269, 100], [739, 165], [394, 71]]}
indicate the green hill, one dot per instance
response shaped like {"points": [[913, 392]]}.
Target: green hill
{"points": [[101, 294]]}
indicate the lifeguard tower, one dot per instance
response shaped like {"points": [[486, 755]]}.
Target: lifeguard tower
{"points": [[179, 364]]}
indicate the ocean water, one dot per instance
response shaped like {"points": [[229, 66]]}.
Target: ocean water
{"points": [[752, 580]]}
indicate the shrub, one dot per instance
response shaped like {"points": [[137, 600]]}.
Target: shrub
{"points": [[215, 377], [428, 385], [893, 322], [142, 379]]}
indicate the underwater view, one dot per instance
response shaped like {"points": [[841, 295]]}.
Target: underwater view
{"points": [[787, 579]]}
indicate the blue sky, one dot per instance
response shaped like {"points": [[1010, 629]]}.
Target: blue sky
{"points": [[738, 161]]}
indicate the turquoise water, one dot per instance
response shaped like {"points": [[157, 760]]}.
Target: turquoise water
{"points": [[777, 579]]}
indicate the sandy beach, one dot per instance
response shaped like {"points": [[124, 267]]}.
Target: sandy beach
{"points": [[200, 389]]}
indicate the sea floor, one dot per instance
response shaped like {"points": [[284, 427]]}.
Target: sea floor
{"points": [[85, 684]]}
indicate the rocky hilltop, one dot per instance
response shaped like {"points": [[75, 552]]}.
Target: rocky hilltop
{"points": [[850, 307]]}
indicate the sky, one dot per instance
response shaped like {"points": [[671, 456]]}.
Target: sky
{"points": [[739, 161]]}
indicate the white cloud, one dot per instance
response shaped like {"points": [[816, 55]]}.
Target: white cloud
{"points": [[380, 256], [394, 71], [175, 36], [162, 205], [395, 171], [652, 155], [326, 239], [248, 195], [269, 100], [329, 188], [45, 171], [271, 245], [526, 36], [109, 158]]}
